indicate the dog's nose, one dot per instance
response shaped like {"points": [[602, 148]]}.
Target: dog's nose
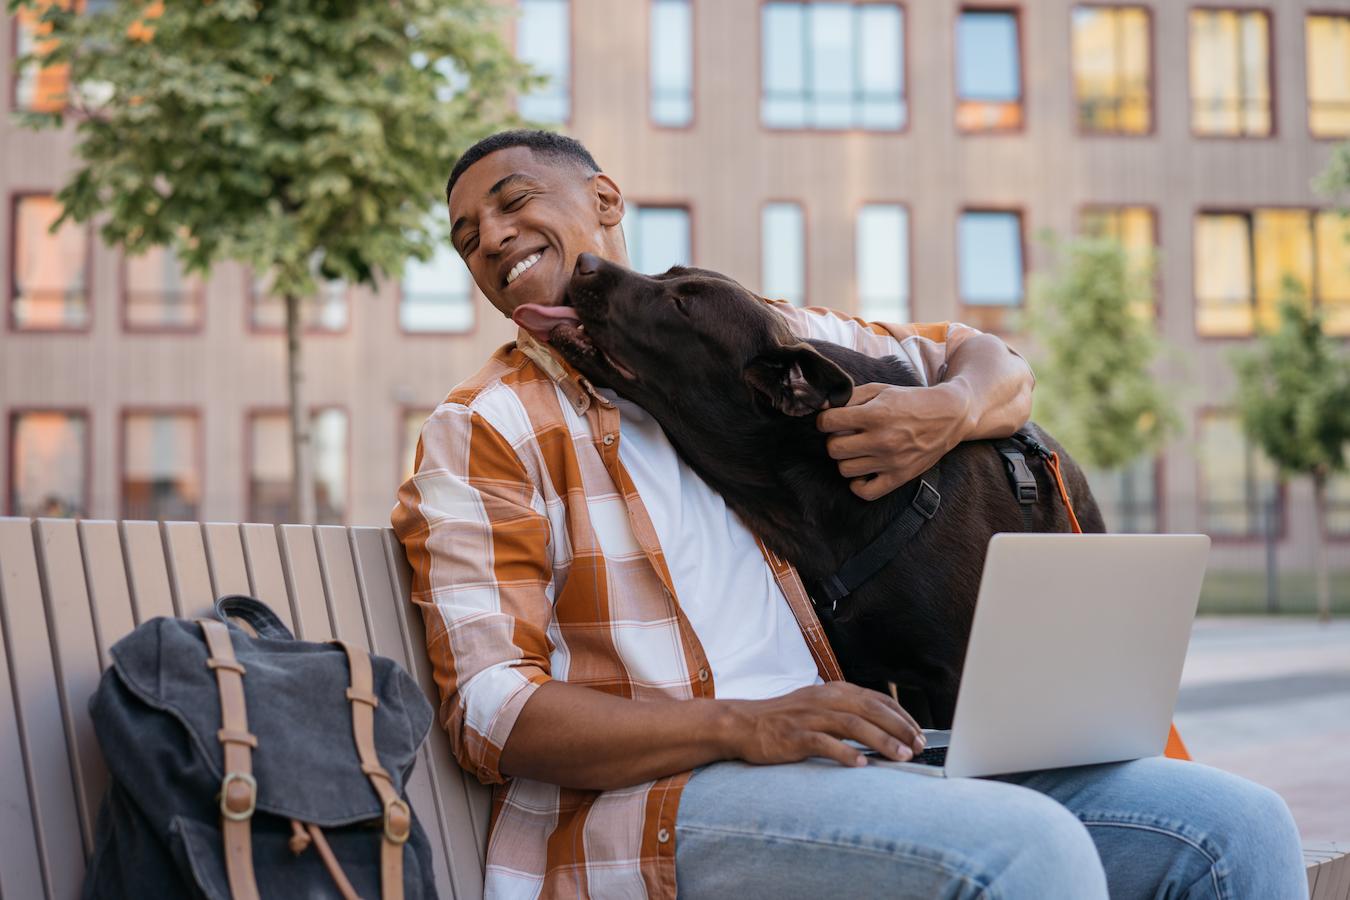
{"points": [[588, 264]]}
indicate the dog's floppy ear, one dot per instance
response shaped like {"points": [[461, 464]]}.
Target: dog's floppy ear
{"points": [[798, 380]]}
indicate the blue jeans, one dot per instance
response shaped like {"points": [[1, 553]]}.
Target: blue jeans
{"points": [[1149, 828]]}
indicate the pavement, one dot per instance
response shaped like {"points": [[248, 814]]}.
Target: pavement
{"points": [[1269, 699]]}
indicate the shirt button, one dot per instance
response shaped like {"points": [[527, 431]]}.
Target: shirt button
{"points": [[702, 674], [663, 836], [609, 439]]}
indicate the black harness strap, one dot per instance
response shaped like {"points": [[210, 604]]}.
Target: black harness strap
{"points": [[874, 557], [1019, 475]]}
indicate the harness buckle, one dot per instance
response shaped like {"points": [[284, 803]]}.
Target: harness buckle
{"points": [[926, 500], [1026, 493]]}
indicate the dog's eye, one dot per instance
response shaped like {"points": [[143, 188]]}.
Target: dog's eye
{"points": [[679, 304]]}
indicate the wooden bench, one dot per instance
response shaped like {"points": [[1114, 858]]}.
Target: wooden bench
{"points": [[69, 590]]}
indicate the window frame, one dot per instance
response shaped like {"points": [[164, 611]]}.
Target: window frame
{"points": [[198, 295], [1249, 213], [693, 68], [405, 332], [685, 204], [199, 460], [857, 209], [17, 196], [1271, 68], [12, 415], [901, 5], [1202, 500], [14, 73], [1325, 13], [806, 244], [405, 451], [252, 328], [990, 317], [513, 46], [253, 412], [1015, 10], [1155, 214], [1152, 129]]}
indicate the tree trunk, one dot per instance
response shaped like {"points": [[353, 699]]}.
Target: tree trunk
{"points": [[1319, 480], [302, 475]]}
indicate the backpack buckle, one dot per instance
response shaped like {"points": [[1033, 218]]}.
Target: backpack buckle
{"points": [[926, 500], [229, 804], [397, 830]]}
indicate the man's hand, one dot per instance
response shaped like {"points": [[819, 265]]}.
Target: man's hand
{"points": [[815, 721], [888, 435]]}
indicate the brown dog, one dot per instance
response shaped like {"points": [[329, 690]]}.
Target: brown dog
{"points": [[737, 393]]}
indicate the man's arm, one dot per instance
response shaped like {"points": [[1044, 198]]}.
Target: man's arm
{"points": [[888, 435]]}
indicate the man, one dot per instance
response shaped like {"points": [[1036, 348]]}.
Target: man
{"points": [[650, 689]]}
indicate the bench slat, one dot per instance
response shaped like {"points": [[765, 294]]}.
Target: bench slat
{"points": [[149, 576], [106, 573], [339, 578], [76, 661], [262, 555], [43, 736], [21, 869], [468, 810], [189, 575], [300, 562], [1329, 870], [225, 559]]}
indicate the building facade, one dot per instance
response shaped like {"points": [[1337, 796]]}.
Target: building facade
{"points": [[893, 159]]}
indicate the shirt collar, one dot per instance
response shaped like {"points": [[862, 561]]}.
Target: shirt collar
{"points": [[576, 387]]}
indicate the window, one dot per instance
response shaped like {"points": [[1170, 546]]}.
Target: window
{"points": [[48, 463], [991, 272], [543, 41], [160, 480], [413, 420], [883, 263], [657, 237], [48, 291], [1136, 230], [783, 252], [1230, 73], [833, 65], [1328, 48], [988, 71], [672, 59], [324, 312], [1128, 497], [37, 88], [1238, 490], [1112, 69], [1338, 505], [1242, 261], [269, 477], [437, 294], [159, 295]]}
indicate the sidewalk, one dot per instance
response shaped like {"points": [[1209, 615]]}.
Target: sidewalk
{"points": [[1269, 699]]}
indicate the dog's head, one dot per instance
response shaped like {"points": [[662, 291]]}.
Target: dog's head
{"points": [[687, 341]]}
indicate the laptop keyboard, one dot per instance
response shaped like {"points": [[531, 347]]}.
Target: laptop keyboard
{"points": [[933, 756]]}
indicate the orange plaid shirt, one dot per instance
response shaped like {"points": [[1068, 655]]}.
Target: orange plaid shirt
{"points": [[534, 558]]}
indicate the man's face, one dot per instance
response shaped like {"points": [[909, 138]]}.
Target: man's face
{"points": [[520, 220]]}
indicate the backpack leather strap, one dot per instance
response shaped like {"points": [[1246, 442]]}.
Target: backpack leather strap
{"points": [[238, 789], [397, 815]]}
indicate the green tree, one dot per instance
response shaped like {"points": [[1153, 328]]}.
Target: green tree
{"points": [[1294, 398], [304, 138], [1095, 387]]}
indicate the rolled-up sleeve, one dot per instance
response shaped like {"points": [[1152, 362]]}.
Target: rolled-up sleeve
{"points": [[470, 523]]}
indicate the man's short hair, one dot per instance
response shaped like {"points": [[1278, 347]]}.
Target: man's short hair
{"points": [[549, 144]]}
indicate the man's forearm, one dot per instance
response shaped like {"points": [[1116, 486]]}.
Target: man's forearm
{"points": [[992, 383]]}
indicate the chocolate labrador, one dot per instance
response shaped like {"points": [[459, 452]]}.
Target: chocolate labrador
{"points": [[738, 394]]}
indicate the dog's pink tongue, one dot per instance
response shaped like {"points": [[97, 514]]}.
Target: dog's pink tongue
{"points": [[540, 320]]}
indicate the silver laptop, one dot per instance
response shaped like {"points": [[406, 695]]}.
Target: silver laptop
{"points": [[1075, 653]]}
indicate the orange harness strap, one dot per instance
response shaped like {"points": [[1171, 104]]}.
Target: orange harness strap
{"points": [[1176, 749]]}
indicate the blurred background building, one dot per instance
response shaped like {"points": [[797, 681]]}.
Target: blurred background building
{"points": [[892, 159]]}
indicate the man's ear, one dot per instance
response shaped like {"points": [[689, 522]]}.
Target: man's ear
{"points": [[798, 381], [608, 198]]}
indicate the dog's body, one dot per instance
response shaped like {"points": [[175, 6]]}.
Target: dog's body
{"points": [[737, 395]]}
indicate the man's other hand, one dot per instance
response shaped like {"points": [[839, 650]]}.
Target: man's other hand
{"points": [[888, 435], [816, 720]]}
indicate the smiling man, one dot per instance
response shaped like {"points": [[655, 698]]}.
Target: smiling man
{"points": [[650, 690]]}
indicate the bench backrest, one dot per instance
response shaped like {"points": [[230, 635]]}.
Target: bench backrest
{"points": [[69, 590]]}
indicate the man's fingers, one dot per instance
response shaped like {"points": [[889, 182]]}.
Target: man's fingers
{"points": [[858, 728], [821, 744], [872, 488], [862, 465]]}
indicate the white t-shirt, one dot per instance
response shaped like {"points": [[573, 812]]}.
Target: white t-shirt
{"points": [[722, 580]]}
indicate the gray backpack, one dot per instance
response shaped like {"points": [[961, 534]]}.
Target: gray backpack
{"points": [[244, 763]]}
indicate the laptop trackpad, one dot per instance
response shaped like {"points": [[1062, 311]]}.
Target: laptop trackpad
{"points": [[937, 738]]}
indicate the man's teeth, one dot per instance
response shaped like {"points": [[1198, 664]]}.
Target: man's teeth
{"points": [[521, 266]]}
